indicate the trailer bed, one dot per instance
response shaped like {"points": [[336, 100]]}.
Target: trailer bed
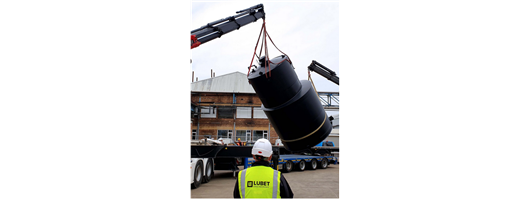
{"points": [[295, 159]]}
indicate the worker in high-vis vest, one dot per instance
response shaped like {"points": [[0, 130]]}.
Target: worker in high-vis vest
{"points": [[261, 180]]}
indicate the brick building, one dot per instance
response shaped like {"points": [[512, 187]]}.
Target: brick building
{"points": [[227, 107]]}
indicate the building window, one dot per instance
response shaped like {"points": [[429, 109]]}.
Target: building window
{"points": [[194, 134], [241, 135], [225, 112], [259, 114], [208, 112], [244, 135], [258, 134], [224, 134], [248, 135], [244, 112]]}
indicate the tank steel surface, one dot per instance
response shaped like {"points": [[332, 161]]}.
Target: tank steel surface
{"points": [[292, 106]]}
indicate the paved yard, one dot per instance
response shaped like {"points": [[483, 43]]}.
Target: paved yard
{"points": [[319, 183]]}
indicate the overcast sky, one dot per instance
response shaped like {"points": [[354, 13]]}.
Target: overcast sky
{"points": [[305, 31]]}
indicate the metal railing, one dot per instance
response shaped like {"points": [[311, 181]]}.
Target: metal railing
{"points": [[272, 140]]}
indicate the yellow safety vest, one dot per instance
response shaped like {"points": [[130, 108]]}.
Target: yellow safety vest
{"points": [[259, 182]]}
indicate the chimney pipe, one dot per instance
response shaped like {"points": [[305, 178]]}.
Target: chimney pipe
{"points": [[197, 79], [211, 73], [192, 75], [214, 74]]}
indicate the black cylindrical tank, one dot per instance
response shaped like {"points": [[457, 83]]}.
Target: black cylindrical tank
{"points": [[292, 106]]}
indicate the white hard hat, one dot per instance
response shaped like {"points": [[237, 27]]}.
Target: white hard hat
{"points": [[262, 147]]}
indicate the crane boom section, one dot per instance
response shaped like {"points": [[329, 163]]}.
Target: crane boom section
{"points": [[223, 26], [324, 71]]}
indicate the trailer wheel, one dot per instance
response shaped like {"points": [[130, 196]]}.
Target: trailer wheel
{"points": [[301, 165], [208, 175], [288, 166], [323, 163], [197, 175], [313, 165]]}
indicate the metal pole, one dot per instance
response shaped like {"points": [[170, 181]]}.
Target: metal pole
{"points": [[269, 132]]}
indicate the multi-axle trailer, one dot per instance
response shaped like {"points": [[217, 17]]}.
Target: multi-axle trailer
{"points": [[207, 158], [287, 163]]}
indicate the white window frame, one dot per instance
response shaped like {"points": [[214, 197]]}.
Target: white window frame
{"points": [[266, 135], [249, 135], [194, 135], [244, 138]]}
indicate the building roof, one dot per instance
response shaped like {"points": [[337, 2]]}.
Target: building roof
{"points": [[235, 82]]}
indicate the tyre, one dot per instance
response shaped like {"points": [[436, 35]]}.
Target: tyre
{"points": [[288, 166], [323, 163], [313, 164], [208, 174], [301, 165], [197, 175]]}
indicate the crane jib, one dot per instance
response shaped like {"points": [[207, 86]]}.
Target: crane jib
{"points": [[220, 27]]}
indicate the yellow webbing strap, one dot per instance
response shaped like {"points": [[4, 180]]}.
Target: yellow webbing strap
{"points": [[309, 133]]}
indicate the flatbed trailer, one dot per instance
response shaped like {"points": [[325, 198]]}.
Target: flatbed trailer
{"points": [[207, 158], [290, 162], [225, 151]]}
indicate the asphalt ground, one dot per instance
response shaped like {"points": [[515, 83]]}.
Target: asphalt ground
{"points": [[319, 183]]}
